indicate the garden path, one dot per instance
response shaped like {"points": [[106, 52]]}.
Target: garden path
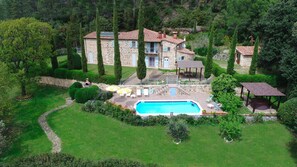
{"points": [[51, 135]]}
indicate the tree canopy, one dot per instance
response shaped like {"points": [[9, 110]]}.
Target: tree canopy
{"points": [[25, 46]]}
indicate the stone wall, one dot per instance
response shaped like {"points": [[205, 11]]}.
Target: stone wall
{"points": [[245, 61], [65, 83]]}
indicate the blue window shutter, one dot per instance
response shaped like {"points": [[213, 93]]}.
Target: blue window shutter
{"points": [[130, 43]]}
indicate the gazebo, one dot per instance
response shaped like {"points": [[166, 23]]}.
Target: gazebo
{"points": [[188, 65], [260, 89]]}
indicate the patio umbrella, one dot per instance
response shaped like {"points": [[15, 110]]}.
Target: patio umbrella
{"points": [[124, 91], [112, 88]]}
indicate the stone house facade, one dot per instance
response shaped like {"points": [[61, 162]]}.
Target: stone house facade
{"points": [[162, 51], [244, 55]]}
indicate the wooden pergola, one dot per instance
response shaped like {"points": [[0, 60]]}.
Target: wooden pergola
{"points": [[188, 65], [261, 89]]}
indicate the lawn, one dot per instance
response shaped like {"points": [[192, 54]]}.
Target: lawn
{"points": [[31, 139], [109, 69], [93, 136]]}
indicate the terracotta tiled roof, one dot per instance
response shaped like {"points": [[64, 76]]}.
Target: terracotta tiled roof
{"points": [[149, 36], [186, 51], [246, 50]]}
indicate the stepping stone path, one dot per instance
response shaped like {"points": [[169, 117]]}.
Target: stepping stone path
{"points": [[51, 135]]}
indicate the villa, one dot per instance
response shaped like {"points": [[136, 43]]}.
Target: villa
{"points": [[162, 51]]}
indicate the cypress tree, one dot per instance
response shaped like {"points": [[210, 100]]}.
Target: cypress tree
{"points": [[141, 67], [117, 58], [208, 65], [254, 62], [100, 65], [230, 67], [69, 50], [83, 52]]}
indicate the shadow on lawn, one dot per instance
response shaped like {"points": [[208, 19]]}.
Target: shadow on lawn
{"points": [[292, 146], [25, 125]]}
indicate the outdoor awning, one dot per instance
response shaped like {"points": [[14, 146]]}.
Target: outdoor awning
{"points": [[261, 89], [190, 64]]}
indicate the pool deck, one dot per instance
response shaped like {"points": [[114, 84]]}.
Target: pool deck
{"points": [[200, 97]]}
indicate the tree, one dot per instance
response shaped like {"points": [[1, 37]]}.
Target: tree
{"points": [[141, 67], [277, 35], [208, 65], [3, 138], [254, 62], [24, 47], [117, 55], [178, 130], [225, 83], [100, 64], [69, 50], [83, 52], [230, 67]]}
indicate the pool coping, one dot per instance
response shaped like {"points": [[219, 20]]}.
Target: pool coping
{"points": [[146, 115]]}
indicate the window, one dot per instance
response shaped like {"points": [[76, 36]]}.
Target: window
{"points": [[180, 58], [166, 49], [134, 44]]}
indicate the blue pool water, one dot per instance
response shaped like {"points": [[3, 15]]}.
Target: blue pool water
{"points": [[166, 107]]}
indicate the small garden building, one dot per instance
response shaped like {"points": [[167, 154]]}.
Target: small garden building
{"points": [[244, 55]]}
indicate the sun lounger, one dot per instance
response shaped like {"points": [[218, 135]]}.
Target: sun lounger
{"points": [[145, 92], [209, 99], [138, 92], [133, 96]]}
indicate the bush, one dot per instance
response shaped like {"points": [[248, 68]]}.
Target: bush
{"points": [[104, 95], [225, 83], [258, 118], [84, 94], [230, 130], [230, 102], [60, 73], [65, 160], [73, 88], [201, 51], [287, 114], [218, 70], [156, 120], [178, 130], [3, 138]]}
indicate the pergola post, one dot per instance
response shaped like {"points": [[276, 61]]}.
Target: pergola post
{"points": [[247, 99], [196, 72], [269, 98], [189, 75], [178, 72], [200, 73], [241, 92], [278, 103]]}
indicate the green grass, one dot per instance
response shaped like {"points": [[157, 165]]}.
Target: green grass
{"points": [[109, 69], [31, 139], [93, 136]]}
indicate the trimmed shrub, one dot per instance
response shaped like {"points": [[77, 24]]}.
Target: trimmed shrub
{"points": [[225, 83], [230, 130], [60, 73], [178, 130], [218, 70], [76, 61], [156, 120], [84, 94], [108, 79], [287, 114], [73, 88]]}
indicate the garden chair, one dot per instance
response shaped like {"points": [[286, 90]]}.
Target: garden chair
{"points": [[138, 92], [145, 92]]}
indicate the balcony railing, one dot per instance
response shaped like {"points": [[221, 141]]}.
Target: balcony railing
{"points": [[151, 51]]}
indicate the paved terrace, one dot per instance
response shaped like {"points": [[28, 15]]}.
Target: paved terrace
{"points": [[198, 96]]}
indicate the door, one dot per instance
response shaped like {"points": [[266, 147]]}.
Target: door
{"points": [[152, 61], [91, 58], [134, 63], [166, 62]]}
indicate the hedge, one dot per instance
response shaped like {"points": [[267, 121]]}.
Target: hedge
{"points": [[131, 118], [64, 73], [217, 71], [84, 94], [65, 160]]}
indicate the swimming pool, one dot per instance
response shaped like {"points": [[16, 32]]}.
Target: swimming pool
{"points": [[166, 107]]}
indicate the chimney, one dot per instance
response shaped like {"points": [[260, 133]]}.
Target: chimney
{"points": [[160, 35], [175, 35]]}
